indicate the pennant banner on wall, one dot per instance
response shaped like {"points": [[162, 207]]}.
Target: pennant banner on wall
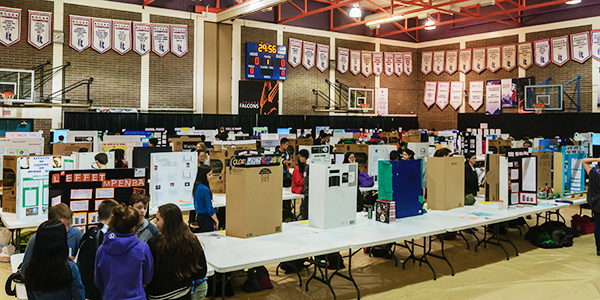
{"points": [[141, 38], [580, 47], [509, 92], [160, 39], [343, 59], [179, 40], [398, 63], [408, 63], [295, 52], [389, 63], [377, 63], [101, 35], [451, 61], [595, 37], [121, 32], [322, 57], [542, 52], [464, 60], [456, 94], [509, 57], [478, 60], [475, 94], [309, 51], [493, 94], [355, 62], [79, 33], [438, 62], [560, 50], [443, 93], [525, 55], [39, 31], [494, 57], [367, 63], [426, 62], [10, 25], [430, 93]]}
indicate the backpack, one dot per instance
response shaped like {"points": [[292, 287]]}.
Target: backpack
{"points": [[364, 180], [86, 260], [258, 280]]}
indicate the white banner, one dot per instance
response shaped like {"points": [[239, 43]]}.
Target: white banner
{"points": [[79, 33], [121, 33], [382, 102], [443, 93], [355, 62], [389, 63], [408, 63], [322, 57], [493, 95], [542, 52], [295, 52], [456, 94], [39, 32], [464, 60], [580, 47], [343, 59], [367, 63], [451, 61], [476, 94], [377, 63], [494, 58], [430, 93], [438, 62], [141, 38], [426, 62], [101, 35], [525, 55], [509, 57], [309, 51], [560, 49], [478, 60], [10, 25], [399, 63], [595, 37], [179, 40], [160, 39], [509, 92]]}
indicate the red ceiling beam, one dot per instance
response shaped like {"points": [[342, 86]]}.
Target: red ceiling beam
{"points": [[379, 7], [513, 18], [345, 13], [319, 10], [297, 7], [404, 28]]}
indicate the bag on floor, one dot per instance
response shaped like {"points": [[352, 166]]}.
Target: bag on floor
{"points": [[384, 251], [334, 260], [258, 280]]}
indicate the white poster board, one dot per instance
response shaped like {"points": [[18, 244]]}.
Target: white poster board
{"points": [[377, 153], [317, 154], [173, 175], [136, 140], [90, 136], [87, 160]]}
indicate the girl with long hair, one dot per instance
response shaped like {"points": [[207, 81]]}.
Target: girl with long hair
{"points": [[180, 265], [206, 214]]}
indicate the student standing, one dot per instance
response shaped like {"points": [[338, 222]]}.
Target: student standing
{"points": [[50, 274], [120, 162], [471, 178], [145, 229], [593, 196], [178, 258], [101, 160], [123, 263], [206, 216], [298, 179]]}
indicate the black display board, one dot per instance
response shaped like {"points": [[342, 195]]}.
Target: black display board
{"points": [[141, 155], [518, 194]]}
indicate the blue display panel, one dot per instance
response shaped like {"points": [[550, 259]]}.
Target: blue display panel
{"points": [[264, 61]]}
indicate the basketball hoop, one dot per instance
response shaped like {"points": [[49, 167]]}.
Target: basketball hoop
{"points": [[8, 96], [539, 108], [364, 106]]}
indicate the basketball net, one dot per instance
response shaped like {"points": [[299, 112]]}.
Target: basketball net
{"points": [[8, 96], [364, 106], [539, 108]]}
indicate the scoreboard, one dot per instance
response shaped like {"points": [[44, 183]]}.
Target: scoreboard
{"points": [[264, 61]]}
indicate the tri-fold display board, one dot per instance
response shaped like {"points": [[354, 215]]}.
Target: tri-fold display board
{"points": [[522, 168], [401, 182], [377, 153], [173, 175], [568, 170]]}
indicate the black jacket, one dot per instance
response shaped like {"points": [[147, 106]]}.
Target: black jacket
{"points": [[86, 261], [471, 180]]}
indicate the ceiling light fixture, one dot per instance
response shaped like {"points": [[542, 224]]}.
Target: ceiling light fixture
{"points": [[355, 11], [430, 25], [573, 2], [386, 20]]}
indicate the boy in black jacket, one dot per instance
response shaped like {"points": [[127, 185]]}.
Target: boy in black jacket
{"points": [[90, 242]]}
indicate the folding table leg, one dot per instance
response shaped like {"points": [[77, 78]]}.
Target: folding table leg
{"points": [[464, 238], [443, 256]]}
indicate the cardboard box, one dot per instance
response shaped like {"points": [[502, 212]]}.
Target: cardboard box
{"points": [[385, 211], [219, 161], [9, 184], [499, 146], [332, 193], [496, 177], [184, 143], [66, 149], [392, 137], [445, 182], [544, 169], [254, 206], [240, 145]]}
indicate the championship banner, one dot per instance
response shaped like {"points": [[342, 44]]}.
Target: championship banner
{"points": [[509, 57], [426, 62], [478, 60], [382, 101], [141, 38], [101, 35], [494, 57], [389, 63], [295, 52], [408, 63], [10, 25], [355, 62], [542, 52], [39, 31], [443, 93], [509, 92], [580, 47], [464, 60], [560, 50], [309, 51], [121, 32], [79, 33], [451, 61], [430, 93], [456, 94], [367, 63], [595, 37], [322, 57], [438, 62], [399, 63], [475, 94], [160, 39], [492, 97], [343, 59], [525, 55], [377, 63], [179, 40]]}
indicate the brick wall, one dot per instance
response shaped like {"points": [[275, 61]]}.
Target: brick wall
{"points": [[172, 77], [255, 35], [402, 90], [358, 81], [45, 125]]}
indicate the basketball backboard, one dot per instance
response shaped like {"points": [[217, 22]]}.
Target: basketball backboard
{"points": [[360, 99], [551, 95], [19, 82]]}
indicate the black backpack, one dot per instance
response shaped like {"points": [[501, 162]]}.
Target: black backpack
{"points": [[86, 261]]}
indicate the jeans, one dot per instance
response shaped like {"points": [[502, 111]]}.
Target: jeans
{"points": [[206, 223], [200, 291], [597, 230]]}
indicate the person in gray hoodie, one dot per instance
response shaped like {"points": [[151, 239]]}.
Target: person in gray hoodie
{"points": [[145, 229]]}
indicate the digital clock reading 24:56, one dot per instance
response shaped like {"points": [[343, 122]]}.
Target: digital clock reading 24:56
{"points": [[264, 61]]}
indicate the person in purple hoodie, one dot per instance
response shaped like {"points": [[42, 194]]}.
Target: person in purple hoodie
{"points": [[124, 265]]}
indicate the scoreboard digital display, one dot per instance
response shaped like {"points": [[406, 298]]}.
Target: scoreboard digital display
{"points": [[264, 61]]}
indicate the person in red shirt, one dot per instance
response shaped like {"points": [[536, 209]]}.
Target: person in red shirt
{"points": [[298, 184]]}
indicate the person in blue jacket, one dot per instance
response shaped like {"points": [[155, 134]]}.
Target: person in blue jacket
{"points": [[206, 215], [50, 273]]}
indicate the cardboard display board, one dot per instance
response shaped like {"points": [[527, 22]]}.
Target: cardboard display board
{"points": [[25, 146], [496, 178], [544, 169], [239, 145], [377, 153], [184, 143], [89, 136], [332, 195], [136, 140], [402, 183], [498, 146], [173, 175], [392, 137], [219, 160], [84, 190], [522, 172], [67, 149], [87, 160], [361, 153], [317, 154], [445, 182], [293, 148]]}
